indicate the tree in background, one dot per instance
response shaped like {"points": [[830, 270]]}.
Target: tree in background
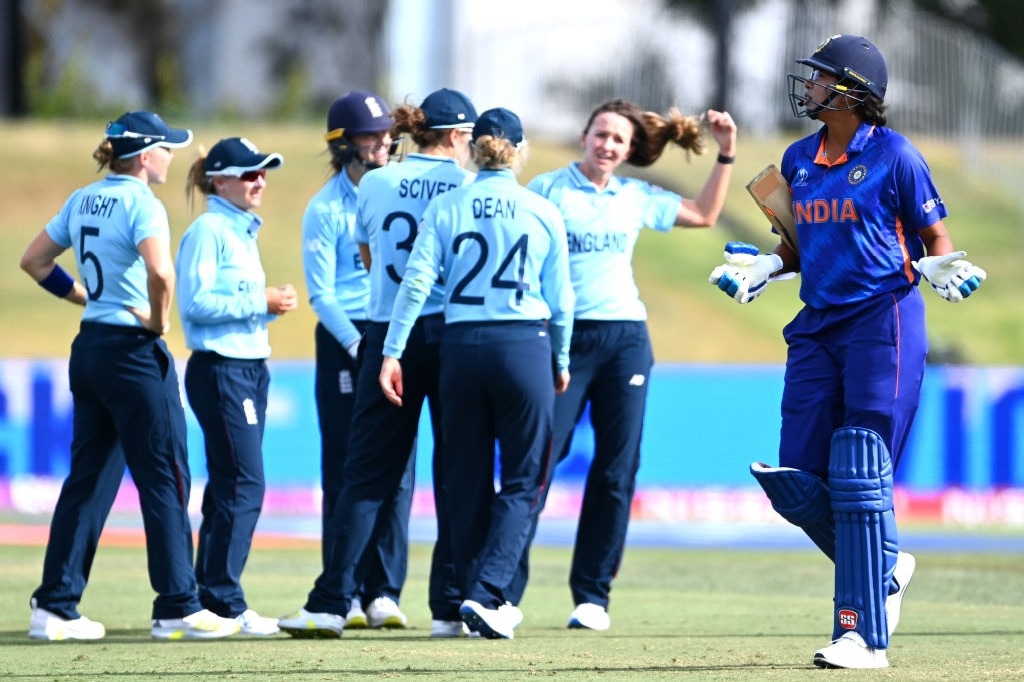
{"points": [[1002, 21]]}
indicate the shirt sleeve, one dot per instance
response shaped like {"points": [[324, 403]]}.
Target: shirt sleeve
{"points": [[319, 263]]}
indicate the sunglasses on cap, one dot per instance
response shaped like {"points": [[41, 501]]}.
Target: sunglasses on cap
{"points": [[119, 131]]}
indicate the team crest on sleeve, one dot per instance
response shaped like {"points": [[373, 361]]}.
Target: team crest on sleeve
{"points": [[857, 175]]}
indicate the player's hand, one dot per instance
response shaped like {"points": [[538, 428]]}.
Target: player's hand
{"points": [[952, 277], [745, 273], [391, 379], [145, 318], [282, 299], [561, 382], [353, 349]]}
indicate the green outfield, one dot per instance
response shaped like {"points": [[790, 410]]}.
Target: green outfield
{"points": [[690, 320], [677, 613]]}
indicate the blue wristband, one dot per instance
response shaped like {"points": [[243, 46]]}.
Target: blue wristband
{"points": [[58, 282]]}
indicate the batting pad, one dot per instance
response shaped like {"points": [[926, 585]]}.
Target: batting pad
{"points": [[860, 483], [802, 499]]}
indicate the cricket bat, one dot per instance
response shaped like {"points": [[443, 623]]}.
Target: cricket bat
{"points": [[772, 195]]}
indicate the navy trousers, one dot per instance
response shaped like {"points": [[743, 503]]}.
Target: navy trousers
{"points": [[127, 410], [381, 570], [497, 386], [379, 474], [229, 399], [610, 365]]}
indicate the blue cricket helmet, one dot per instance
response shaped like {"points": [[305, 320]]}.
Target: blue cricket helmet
{"points": [[357, 112], [851, 58]]}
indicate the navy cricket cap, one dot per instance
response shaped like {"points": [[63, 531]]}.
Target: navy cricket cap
{"points": [[854, 58], [136, 131], [446, 108], [236, 155], [501, 123], [357, 112]]}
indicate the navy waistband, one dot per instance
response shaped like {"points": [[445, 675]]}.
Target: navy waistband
{"points": [[210, 356], [115, 329]]}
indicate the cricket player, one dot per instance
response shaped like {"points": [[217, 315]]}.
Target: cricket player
{"points": [[869, 224]]}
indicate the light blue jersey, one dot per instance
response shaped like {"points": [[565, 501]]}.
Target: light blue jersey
{"points": [[104, 223], [221, 283], [504, 256], [336, 279], [391, 202], [602, 228]]}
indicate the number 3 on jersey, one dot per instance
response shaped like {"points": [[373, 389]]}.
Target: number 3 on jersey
{"points": [[513, 263], [403, 245]]}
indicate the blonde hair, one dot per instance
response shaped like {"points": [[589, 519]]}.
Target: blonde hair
{"points": [[198, 179], [104, 155], [652, 132], [497, 153]]}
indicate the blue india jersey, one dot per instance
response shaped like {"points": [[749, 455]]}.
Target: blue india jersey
{"points": [[602, 227], [336, 279], [857, 219], [504, 255], [104, 223], [221, 283], [391, 202]]}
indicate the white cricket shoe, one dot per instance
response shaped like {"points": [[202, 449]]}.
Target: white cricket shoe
{"points": [[513, 613], [850, 651], [904, 571], [490, 623], [255, 625], [590, 617], [355, 619], [383, 612], [308, 624], [448, 629], [49, 626], [199, 625]]}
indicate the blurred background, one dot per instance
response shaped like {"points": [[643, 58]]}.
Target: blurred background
{"points": [[268, 69]]}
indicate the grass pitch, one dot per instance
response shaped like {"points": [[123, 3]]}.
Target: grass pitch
{"points": [[706, 614]]}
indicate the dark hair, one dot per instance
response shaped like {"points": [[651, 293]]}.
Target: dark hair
{"points": [[652, 132], [872, 110], [411, 119], [104, 156]]}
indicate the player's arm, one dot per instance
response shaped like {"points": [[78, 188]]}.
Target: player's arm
{"points": [[40, 262], [156, 254], [703, 211], [364, 253]]}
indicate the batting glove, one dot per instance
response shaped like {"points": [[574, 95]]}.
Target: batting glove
{"points": [[952, 277], [745, 274]]}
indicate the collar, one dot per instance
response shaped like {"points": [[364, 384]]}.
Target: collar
{"points": [[857, 144], [241, 220], [582, 182], [504, 173]]}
